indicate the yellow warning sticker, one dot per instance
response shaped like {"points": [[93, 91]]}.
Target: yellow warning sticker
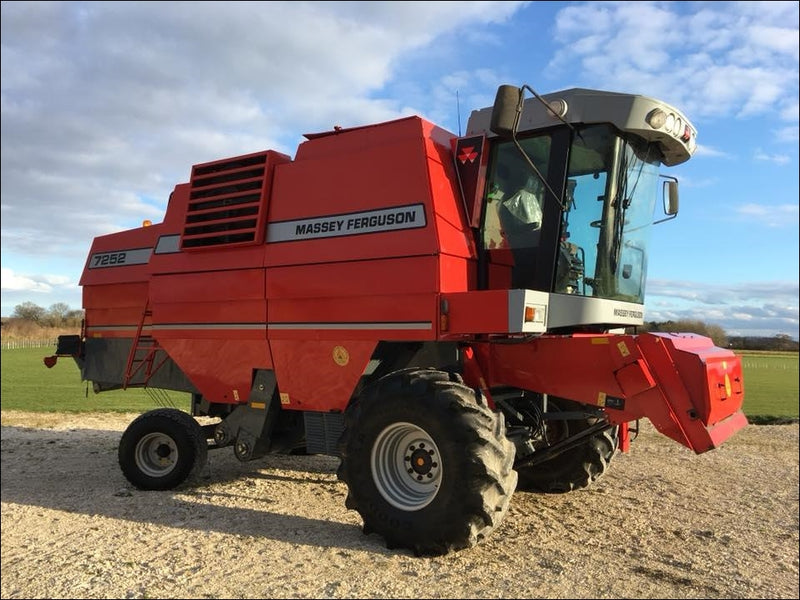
{"points": [[601, 399], [341, 356], [285, 398], [623, 349], [236, 395]]}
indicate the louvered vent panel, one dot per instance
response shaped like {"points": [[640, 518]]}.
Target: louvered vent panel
{"points": [[225, 204]]}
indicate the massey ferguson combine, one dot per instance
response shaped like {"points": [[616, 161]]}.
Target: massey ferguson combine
{"points": [[453, 317]]}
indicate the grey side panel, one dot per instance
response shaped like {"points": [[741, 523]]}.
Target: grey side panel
{"points": [[106, 359]]}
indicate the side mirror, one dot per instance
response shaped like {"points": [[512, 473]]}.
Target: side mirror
{"points": [[506, 111], [670, 198]]}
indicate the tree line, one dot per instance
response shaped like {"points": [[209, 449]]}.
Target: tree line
{"points": [[779, 342], [61, 316], [58, 315]]}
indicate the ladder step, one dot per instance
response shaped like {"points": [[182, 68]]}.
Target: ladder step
{"points": [[141, 359]]}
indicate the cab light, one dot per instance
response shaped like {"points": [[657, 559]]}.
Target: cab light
{"points": [[530, 314], [656, 118], [147, 223], [558, 107]]}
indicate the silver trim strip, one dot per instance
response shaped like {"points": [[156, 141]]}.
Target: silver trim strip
{"points": [[182, 326], [420, 325], [115, 328], [402, 326]]}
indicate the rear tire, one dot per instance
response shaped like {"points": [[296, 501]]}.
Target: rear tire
{"points": [[576, 468], [162, 449], [428, 466]]}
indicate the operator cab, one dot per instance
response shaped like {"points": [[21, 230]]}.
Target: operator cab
{"points": [[570, 189]]}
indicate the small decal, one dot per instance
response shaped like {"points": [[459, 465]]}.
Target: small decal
{"points": [[601, 399], [258, 405], [285, 398], [236, 395], [120, 258], [341, 356], [600, 340], [623, 349]]}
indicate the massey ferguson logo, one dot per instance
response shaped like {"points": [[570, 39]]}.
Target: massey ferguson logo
{"points": [[371, 221], [625, 313], [467, 154]]}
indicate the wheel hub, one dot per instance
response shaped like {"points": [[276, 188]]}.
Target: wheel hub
{"points": [[421, 461], [156, 454], [406, 466]]}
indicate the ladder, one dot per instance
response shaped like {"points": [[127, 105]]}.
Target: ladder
{"points": [[142, 357]]}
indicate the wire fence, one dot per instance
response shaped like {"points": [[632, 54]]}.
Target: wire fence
{"points": [[761, 363], [30, 343]]}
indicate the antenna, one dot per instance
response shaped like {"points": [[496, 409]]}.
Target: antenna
{"points": [[458, 110]]}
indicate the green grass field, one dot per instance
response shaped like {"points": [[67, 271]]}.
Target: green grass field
{"points": [[771, 384], [28, 385], [771, 387]]}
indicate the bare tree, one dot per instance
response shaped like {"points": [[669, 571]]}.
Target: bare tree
{"points": [[28, 311]]}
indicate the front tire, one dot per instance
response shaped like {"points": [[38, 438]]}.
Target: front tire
{"points": [[161, 449], [427, 465], [577, 467]]}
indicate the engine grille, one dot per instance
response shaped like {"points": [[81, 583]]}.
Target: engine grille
{"points": [[225, 203]]}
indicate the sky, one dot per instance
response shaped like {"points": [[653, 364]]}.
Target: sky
{"points": [[107, 105]]}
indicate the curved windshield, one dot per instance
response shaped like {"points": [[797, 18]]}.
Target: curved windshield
{"points": [[611, 189]]}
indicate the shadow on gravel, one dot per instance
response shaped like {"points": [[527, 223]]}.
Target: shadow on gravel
{"points": [[76, 471]]}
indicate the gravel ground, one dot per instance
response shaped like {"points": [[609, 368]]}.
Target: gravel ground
{"points": [[663, 523]]}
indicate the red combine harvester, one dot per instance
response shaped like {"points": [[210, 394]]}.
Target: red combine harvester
{"points": [[451, 316]]}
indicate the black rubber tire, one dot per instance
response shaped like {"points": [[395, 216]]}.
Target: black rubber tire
{"points": [[461, 491], [162, 449], [576, 468]]}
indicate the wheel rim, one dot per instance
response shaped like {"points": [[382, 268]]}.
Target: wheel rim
{"points": [[406, 466], [156, 454]]}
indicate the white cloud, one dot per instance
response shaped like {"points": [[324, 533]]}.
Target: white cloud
{"points": [[778, 159], [14, 282], [722, 59], [784, 215], [758, 309], [709, 151], [106, 105]]}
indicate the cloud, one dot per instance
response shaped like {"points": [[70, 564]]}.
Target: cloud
{"points": [[780, 216], [778, 159], [710, 152], [106, 105], [726, 59], [13, 282], [757, 309]]}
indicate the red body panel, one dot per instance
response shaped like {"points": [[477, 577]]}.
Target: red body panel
{"points": [[296, 291], [319, 375]]}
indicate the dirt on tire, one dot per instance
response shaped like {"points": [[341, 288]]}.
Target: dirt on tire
{"points": [[662, 523]]}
